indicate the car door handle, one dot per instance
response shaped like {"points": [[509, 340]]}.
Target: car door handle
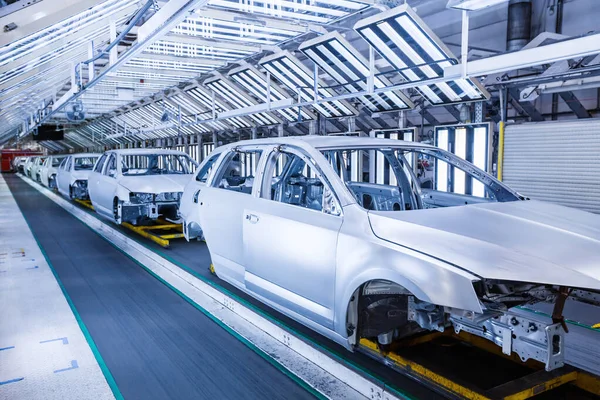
{"points": [[252, 218]]}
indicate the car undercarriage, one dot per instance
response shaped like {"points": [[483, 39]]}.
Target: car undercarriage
{"points": [[385, 313]]}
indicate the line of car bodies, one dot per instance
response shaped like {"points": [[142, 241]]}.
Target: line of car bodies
{"points": [[354, 238], [381, 253]]}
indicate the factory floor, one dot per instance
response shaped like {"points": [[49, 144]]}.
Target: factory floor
{"points": [[82, 320]]}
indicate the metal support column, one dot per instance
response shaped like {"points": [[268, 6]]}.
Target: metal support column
{"points": [[199, 148]]}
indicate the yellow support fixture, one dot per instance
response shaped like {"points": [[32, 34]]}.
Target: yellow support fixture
{"points": [[539, 381], [85, 203], [160, 239], [501, 151], [422, 372]]}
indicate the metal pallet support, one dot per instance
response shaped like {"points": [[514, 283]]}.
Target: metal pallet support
{"points": [[539, 381], [161, 239], [85, 203]]}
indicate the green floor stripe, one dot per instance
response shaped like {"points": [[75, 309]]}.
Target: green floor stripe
{"points": [[105, 370]]}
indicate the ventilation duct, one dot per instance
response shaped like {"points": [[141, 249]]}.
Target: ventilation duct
{"points": [[519, 24]]}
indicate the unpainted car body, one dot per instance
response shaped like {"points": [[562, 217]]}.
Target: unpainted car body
{"points": [[36, 168], [28, 164], [19, 164], [139, 185], [48, 170], [359, 258], [72, 175]]}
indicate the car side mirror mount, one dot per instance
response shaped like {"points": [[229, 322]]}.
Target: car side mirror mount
{"points": [[330, 203]]}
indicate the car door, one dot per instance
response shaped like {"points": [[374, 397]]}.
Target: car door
{"points": [[290, 231], [189, 207], [222, 204], [61, 176], [94, 182], [107, 185]]}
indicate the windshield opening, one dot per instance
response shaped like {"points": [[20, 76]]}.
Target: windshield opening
{"points": [[84, 163], [56, 161], [403, 179], [155, 164]]}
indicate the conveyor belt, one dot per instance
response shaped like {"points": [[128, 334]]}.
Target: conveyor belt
{"points": [[155, 344]]}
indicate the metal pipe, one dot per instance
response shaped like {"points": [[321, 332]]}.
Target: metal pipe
{"points": [[518, 32], [464, 44]]}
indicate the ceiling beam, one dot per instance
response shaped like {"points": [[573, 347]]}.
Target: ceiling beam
{"points": [[452, 110], [575, 105], [428, 117], [527, 107]]}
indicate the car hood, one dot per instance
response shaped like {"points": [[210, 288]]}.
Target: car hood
{"points": [[528, 241], [81, 175], [155, 183]]}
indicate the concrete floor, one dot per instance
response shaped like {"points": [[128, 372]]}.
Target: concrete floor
{"points": [[156, 345]]}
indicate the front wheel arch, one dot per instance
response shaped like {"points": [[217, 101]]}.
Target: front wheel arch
{"points": [[368, 276], [116, 211]]}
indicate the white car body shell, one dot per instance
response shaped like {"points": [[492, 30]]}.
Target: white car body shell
{"points": [[66, 177], [105, 190], [437, 254], [36, 168], [47, 170]]}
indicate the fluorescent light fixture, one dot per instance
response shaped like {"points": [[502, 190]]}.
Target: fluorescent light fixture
{"points": [[207, 148], [315, 11], [235, 96], [204, 97], [288, 70], [255, 82], [342, 62], [460, 149], [214, 28], [441, 167], [406, 42], [469, 142], [480, 152], [473, 5]]}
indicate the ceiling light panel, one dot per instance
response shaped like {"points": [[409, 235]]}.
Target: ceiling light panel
{"points": [[255, 82], [407, 43], [317, 11], [183, 66], [235, 96], [65, 29], [185, 119], [473, 5], [196, 51], [288, 70], [346, 66], [213, 28], [205, 98]]}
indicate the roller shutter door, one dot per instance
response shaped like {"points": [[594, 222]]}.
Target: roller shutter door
{"points": [[555, 161]]}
